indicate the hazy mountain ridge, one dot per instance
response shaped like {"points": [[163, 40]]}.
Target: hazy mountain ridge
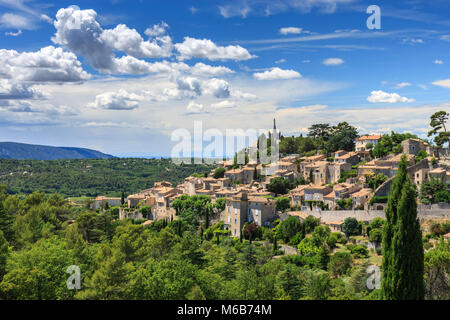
{"points": [[21, 151]]}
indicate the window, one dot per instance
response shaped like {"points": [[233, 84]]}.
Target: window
{"points": [[256, 212], [229, 219], [235, 221], [235, 210]]}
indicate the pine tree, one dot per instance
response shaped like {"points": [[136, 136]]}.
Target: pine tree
{"points": [[402, 242], [4, 251], [6, 222]]}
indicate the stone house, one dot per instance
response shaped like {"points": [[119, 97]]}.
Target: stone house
{"points": [[101, 201], [348, 157], [240, 209], [413, 146], [316, 193], [361, 197], [362, 142]]}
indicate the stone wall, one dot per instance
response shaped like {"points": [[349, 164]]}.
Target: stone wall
{"points": [[437, 211]]}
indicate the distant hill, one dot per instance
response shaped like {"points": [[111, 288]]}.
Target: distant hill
{"points": [[93, 177], [20, 151]]}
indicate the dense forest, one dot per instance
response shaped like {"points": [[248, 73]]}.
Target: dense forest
{"points": [[187, 258], [92, 177]]}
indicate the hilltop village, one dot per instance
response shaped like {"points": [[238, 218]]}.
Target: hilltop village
{"points": [[347, 184]]}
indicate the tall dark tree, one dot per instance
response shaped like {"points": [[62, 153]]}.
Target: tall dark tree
{"points": [[6, 220], [319, 130], [4, 251], [342, 137], [439, 130], [403, 264]]}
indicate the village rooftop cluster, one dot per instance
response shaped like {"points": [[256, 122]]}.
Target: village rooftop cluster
{"points": [[327, 185]]}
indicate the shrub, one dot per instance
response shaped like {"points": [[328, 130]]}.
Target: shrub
{"points": [[219, 173], [360, 251], [340, 263], [351, 226], [379, 251], [331, 241], [252, 230], [283, 204], [288, 228], [375, 235], [295, 240]]}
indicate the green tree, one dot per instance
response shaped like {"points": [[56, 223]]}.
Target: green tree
{"points": [[288, 229], [403, 265], [376, 235], [279, 185], [375, 182], [110, 281], [320, 130], [4, 252], [437, 268], [351, 226], [420, 156], [6, 220], [340, 263], [310, 223], [439, 130], [219, 173], [342, 138], [283, 204], [196, 294], [434, 191], [38, 272]]}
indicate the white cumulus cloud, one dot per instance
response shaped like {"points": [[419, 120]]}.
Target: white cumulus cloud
{"points": [[218, 88], [79, 31], [276, 73], [121, 100], [333, 61], [13, 90], [206, 49], [201, 69], [385, 97], [49, 64]]}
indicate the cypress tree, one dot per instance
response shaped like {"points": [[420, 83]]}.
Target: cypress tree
{"points": [[403, 263]]}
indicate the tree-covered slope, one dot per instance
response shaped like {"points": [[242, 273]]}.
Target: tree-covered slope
{"points": [[91, 177], [14, 150]]}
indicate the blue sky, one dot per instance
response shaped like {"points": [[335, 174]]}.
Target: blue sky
{"points": [[122, 76]]}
